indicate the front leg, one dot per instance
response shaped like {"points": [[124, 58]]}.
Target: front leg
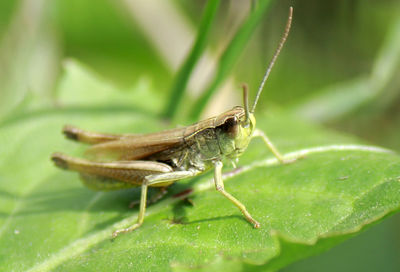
{"points": [[219, 185], [271, 147]]}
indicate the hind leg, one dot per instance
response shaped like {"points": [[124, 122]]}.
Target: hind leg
{"points": [[77, 134]]}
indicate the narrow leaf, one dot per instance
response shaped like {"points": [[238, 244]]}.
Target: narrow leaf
{"points": [[229, 57], [182, 78]]}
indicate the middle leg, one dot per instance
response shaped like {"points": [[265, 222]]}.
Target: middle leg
{"points": [[271, 147]]}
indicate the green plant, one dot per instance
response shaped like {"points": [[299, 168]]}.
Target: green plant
{"points": [[50, 222]]}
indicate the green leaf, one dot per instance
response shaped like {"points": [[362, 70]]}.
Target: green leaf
{"points": [[49, 221]]}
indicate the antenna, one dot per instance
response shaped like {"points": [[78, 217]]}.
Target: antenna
{"points": [[246, 101], [271, 64]]}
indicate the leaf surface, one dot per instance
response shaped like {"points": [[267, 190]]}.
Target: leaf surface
{"points": [[50, 222]]}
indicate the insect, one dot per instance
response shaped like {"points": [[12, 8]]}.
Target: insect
{"points": [[159, 159]]}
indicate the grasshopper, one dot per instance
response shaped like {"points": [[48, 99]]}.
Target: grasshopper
{"points": [[159, 159]]}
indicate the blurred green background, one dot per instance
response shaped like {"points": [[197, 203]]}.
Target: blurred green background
{"points": [[340, 68]]}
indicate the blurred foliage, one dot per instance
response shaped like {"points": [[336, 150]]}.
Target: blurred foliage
{"points": [[334, 45]]}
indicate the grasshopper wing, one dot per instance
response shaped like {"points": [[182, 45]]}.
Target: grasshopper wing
{"points": [[136, 146], [140, 146]]}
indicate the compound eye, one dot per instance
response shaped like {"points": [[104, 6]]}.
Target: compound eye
{"points": [[231, 126]]}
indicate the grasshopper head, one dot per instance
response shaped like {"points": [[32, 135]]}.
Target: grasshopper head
{"points": [[234, 131], [246, 124], [245, 130]]}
